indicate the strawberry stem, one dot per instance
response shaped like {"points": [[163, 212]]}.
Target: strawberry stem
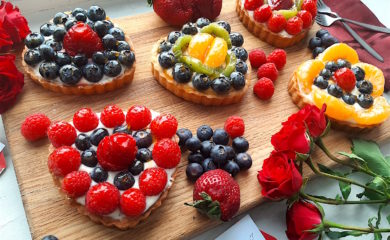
{"points": [[207, 206]]}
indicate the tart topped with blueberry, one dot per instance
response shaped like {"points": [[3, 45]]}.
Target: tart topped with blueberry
{"points": [[116, 167], [203, 63], [352, 90], [79, 52]]}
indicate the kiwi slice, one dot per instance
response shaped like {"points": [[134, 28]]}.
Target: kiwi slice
{"points": [[287, 14]]}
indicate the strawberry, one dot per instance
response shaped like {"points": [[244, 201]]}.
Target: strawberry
{"points": [[345, 78], [102, 198], [217, 195], [133, 202], [152, 181], [81, 38], [310, 6], [306, 18], [294, 25]]}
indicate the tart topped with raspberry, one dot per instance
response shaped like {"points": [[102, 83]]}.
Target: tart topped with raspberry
{"points": [[281, 23], [79, 52], [203, 63], [116, 167]]}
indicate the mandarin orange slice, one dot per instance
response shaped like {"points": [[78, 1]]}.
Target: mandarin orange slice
{"points": [[199, 45], [339, 51], [307, 71], [217, 53]]}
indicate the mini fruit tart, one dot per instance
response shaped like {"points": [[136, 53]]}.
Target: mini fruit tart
{"points": [[351, 90], [203, 63], [79, 52], [281, 23], [116, 167]]}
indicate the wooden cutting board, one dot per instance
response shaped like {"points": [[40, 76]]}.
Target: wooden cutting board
{"points": [[48, 212]]}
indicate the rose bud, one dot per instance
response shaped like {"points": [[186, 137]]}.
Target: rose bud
{"points": [[292, 137]]}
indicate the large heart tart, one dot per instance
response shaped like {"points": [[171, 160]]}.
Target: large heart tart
{"points": [[203, 63], [115, 167], [79, 52], [351, 90]]}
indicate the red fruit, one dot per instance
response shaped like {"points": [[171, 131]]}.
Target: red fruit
{"points": [[61, 134], [235, 126], [264, 88], [281, 4], [102, 199], [310, 6], [138, 117], [306, 18], [218, 189], [268, 70], [35, 126], [133, 202], [64, 160], [112, 116], [294, 25], [252, 4], [116, 152], [82, 39], [257, 58], [345, 79], [263, 13], [276, 23], [76, 183], [152, 181], [164, 126], [85, 120], [166, 153], [278, 57]]}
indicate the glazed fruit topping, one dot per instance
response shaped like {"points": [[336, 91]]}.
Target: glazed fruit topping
{"points": [[124, 180], [64, 160], [164, 126], [138, 117], [166, 153], [294, 25], [112, 116], [61, 134], [276, 23], [281, 4], [133, 202], [102, 198], [98, 174], [252, 4], [263, 13], [76, 184], [85, 120], [345, 79], [152, 181]]}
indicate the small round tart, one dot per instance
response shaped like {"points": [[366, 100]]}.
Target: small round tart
{"points": [[103, 163], [351, 90], [203, 63], [79, 52], [281, 23]]}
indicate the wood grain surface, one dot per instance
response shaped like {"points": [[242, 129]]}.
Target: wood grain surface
{"points": [[48, 212]]}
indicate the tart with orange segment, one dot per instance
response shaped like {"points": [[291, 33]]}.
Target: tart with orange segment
{"points": [[352, 90]]}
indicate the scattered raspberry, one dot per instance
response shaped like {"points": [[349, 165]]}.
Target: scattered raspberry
{"points": [[310, 6], [268, 70], [306, 17], [76, 183], [81, 38], [35, 127], [85, 120], [263, 13], [116, 152], [138, 117], [133, 202], [61, 134], [152, 181], [112, 116], [345, 78], [277, 23], [102, 199], [264, 88], [277, 57], [164, 126], [294, 25], [64, 160], [257, 58], [166, 153], [252, 4], [234, 126]]}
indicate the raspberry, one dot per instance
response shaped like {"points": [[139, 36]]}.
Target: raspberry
{"points": [[263, 13], [306, 18], [82, 39], [294, 25], [234, 126], [76, 184], [277, 57], [264, 88], [133, 202], [310, 6], [116, 152], [257, 58], [64, 160], [166, 153], [252, 4], [276, 23], [164, 126], [138, 117], [345, 78], [268, 70], [152, 181], [61, 134], [35, 126], [112, 116], [102, 199], [85, 120]]}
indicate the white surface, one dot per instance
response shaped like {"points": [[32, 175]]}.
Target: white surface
{"points": [[378, 7], [245, 229]]}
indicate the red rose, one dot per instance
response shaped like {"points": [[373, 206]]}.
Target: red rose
{"points": [[279, 178], [11, 82], [313, 117], [301, 217], [291, 137]]}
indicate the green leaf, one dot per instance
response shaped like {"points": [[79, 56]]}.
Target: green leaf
{"points": [[388, 219], [377, 183], [377, 236], [370, 220], [338, 197], [338, 235], [300, 157], [345, 189], [325, 169], [351, 156]]}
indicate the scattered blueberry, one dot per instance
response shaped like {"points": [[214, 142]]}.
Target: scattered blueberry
{"points": [[194, 171], [219, 155], [315, 42], [240, 145], [195, 157], [204, 133], [321, 32], [208, 164], [328, 40], [183, 134], [317, 51], [205, 148], [220, 136], [193, 144], [244, 161], [230, 153], [232, 168]]}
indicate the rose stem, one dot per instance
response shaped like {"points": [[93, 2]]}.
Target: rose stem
{"points": [[340, 202], [329, 224]]}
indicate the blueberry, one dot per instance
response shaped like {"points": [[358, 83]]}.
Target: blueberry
{"points": [[100, 28], [195, 157], [244, 161], [240, 145], [201, 82], [326, 73], [70, 74], [364, 86], [62, 58], [232, 168], [241, 66], [98, 174], [123, 45], [317, 51], [328, 40], [193, 144], [230, 153], [164, 46], [70, 23], [99, 58], [89, 158], [181, 73], [136, 167], [47, 29], [183, 134], [97, 135], [122, 129], [221, 85], [144, 154], [202, 22], [60, 18], [204, 133], [240, 53], [111, 54], [335, 90], [321, 32], [96, 13], [112, 68], [359, 73], [341, 63], [237, 39], [117, 33], [143, 139], [173, 36], [315, 42], [82, 142], [78, 10], [365, 100], [92, 72], [225, 25], [205, 148], [238, 80], [58, 34], [47, 53], [33, 40], [349, 98], [57, 46], [166, 59], [219, 155], [109, 41], [208, 164], [48, 70], [331, 66], [194, 171], [108, 24], [32, 57], [81, 17], [49, 237], [189, 28], [124, 180], [91, 24], [220, 136], [321, 82], [127, 58]]}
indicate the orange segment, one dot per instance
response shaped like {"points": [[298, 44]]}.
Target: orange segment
{"points": [[307, 71], [339, 51], [375, 76], [199, 45], [217, 53], [376, 114]]}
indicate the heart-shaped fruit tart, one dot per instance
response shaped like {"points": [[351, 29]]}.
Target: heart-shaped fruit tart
{"points": [[203, 63], [79, 52], [115, 167], [352, 90]]}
